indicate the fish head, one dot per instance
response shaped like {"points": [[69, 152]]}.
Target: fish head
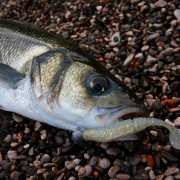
{"points": [[82, 93]]}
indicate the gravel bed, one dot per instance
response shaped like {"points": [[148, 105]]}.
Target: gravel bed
{"points": [[137, 41]]}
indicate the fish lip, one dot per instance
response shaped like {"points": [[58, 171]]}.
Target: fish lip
{"points": [[129, 111]]}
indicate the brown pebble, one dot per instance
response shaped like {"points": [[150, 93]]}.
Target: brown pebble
{"points": [[123, 176], [169, 178], [55, 170], [113, 171], [41, 171], [17, 118], [14, 175], [160, 177], [171, 170], [81, 171]]}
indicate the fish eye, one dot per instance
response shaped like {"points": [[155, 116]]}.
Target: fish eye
{"points": [[98, 84]]}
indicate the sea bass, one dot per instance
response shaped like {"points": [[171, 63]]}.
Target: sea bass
{"points": [[45, 78]]}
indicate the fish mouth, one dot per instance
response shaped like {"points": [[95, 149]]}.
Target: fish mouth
{"points": [[112, 115]]}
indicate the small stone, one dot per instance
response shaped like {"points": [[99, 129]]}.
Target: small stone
{"points": [[17, 118], [135, 160], [152, 175], [45, 159], [171, 170], [177, 14], [65, 34], [104, 145], [86, 156], [88, 170], [81, 171], [123, 176], [8, 138], [31, 151], [160, 3], [11, 154], [169, 157], [150, 102], [177, 175], [160, 177], [93, 161], [72, 178], [113, 151], [55, 170], [70, 164], [169, 178], [113, 171], [37, 126], [134, 1], [177, 121], [76, 161], [115, 39], [14, 175], [14, 144], [128, 59], [152, 36], [43, 134], [104, 163], [154, 133], [41, 171], [26, 146], [145, 48]]}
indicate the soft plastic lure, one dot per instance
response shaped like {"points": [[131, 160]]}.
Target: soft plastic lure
{"points": [[129, 127]]}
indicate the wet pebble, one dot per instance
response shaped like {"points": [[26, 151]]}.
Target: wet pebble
{"points": [[104, 163], [93, 161], [135, 160], [113, 151], [81, 171], [123, 176], [177, 121], [115, 39], [11, 154], [128, 59], [169, 178], [177, 14], [70, 164], [152, 175], [88, 170], [160, 3], [45, 158], [113, 171], [37, 125], [15, 175], [17, 118], [41, 171], [171, 170]]}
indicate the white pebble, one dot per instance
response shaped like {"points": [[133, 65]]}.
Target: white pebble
{"points": [[128, 59], [177, 121], [177, 14], [17, 118]]}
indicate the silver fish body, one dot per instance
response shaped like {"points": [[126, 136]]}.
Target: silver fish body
{"points": [[46, 78]]}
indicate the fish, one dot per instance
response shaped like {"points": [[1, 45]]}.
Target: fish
{"points": [[49, 79], [128, 127]]}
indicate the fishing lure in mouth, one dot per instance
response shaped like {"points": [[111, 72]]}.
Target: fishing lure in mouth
{"points": [[128, 127]]}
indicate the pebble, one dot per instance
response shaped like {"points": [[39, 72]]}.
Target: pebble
{"points": [[14, 144], [41, 171], [43, 134], [113, 151], [160, 3], [113, 171], [37, 126], [128, 59], [160, 177], [115, 39], [45, 158], [104, 163], [70, 164], [177, 175], [11, 154], [177, 14], [169, 157], [177, 121], [154, 133], [8, 138], [88, 170], [171, 170], [15, 175], [123, 176], [144, 48], [169, 178], [135, 160], [81, 171], [86, 156], [152, 36], [152, 175], [93, 161], [17, 118]]}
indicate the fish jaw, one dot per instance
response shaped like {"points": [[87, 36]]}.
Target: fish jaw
{"points": [[102, 117]]}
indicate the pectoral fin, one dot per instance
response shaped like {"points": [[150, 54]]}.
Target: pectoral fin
{"points": [[10, 76]]}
